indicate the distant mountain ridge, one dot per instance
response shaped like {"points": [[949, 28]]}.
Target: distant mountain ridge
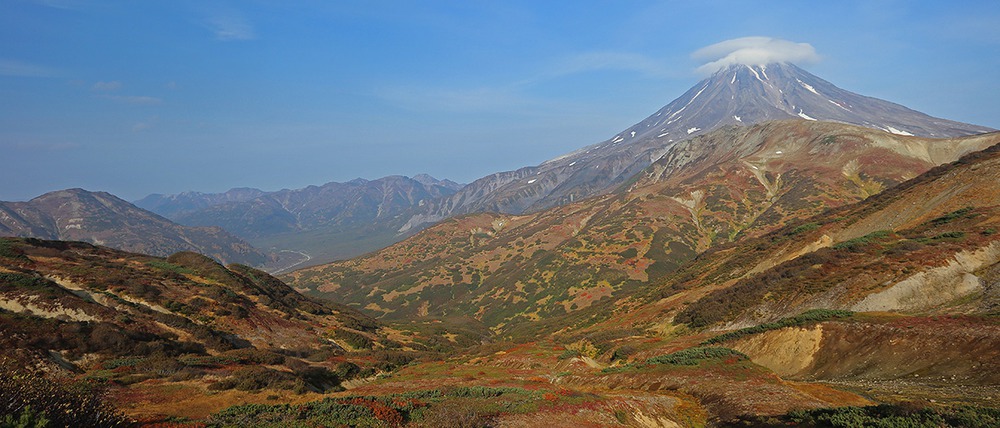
{"points": [[711, 190], [171, 206], [104, 219], [737, 95], [340, 220], [359, 215]]}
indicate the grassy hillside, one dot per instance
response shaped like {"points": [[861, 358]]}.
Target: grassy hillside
{"points": [[884, 311], [711, 191], [149, 328]]}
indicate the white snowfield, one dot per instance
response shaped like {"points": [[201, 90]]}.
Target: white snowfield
{"points": [[807, 86], [897, 131]]}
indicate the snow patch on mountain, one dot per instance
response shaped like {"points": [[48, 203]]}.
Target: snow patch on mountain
{"points": [[807, 86], [897, 131]]}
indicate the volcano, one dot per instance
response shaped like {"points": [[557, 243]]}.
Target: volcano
{"points": [[739, 94]]}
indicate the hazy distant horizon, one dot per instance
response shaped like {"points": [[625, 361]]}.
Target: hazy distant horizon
{"points": [[167, 97]]}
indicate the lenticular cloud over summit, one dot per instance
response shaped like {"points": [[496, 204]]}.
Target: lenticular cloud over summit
{"points": [[753, 51]]}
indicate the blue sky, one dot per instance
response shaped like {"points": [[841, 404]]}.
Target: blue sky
{"points": [[140, 97]]}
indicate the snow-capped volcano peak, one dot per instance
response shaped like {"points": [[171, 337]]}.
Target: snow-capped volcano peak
{"points": [[740, 92], [752, 93], [753, 51]]}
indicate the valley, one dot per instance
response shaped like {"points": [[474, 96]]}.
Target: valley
{"points": [[709, 191], [800, 255], [775, 320]]}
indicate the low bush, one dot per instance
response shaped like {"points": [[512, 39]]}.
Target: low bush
{"points": [[569, 353], [694, 356], [254, 378], [8, 250], [169, 267], [355, 340], [808, 317], [907, 415], [347, 370], [856, 243], [30, 399], [485, 391], [954, 215], [808, 227], [474, 406], [954, 235], [622, 352], [687, 357]]}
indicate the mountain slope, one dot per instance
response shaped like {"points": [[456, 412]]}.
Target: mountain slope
{"points": [[335, 220], [170, 206], [944, 350], [104, 219], [896, 295], [237, 306], [927, 246], [923, 246], [714, 189], [177, 334], [737, 95]]}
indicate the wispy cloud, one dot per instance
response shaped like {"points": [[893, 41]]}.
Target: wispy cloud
{"points": [[231, 27], [135, 99], [16, 68], [753, 51], [111, 86]]}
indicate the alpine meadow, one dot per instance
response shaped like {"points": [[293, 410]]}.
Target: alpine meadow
{"points": [[538, 240]]}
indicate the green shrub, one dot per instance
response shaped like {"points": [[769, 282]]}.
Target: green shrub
{"points": [[360, 323], [28, 418], [121, 362], [255, 378], [485, 391], [808, 227], [883, 415], [622, 353], [694, 356], [347, 370], [569, 353], [949, 235], [951, 216], [8, 250], [459, 413], [808, 317], [169, 267], [36, 284], [862, 241], [30, 399], [344, 411], [356, 340], [320, 378], [687, 357]]}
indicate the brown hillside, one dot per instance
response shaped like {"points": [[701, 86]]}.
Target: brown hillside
{"points": [[711, 190]]}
